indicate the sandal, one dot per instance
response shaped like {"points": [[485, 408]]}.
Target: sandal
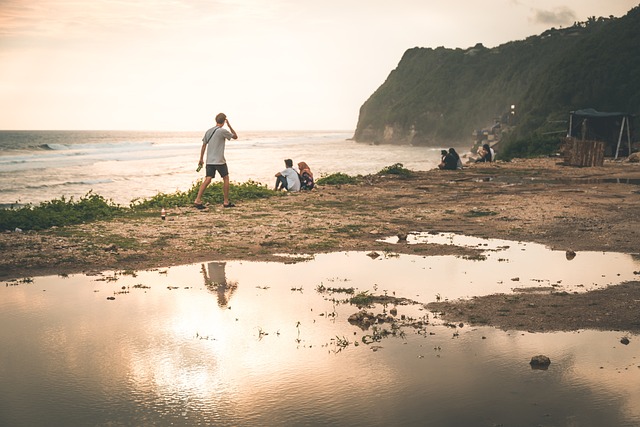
{"points": [[229, 205], [199, 206]]}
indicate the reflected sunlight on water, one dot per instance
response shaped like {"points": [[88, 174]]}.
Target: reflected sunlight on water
{"points": [[253, 343]]}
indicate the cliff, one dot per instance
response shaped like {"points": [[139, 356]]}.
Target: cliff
{"points": [[442, 95]]}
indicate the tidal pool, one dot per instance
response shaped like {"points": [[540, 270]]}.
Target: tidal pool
{"points": [[253, 343]]}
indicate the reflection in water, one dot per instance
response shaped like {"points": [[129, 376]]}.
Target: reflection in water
{"points": [[162, 354], [215, 279]]}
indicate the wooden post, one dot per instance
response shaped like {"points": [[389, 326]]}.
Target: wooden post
{"points": [[624, 118]]}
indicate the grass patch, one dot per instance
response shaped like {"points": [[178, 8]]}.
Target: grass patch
{"points": [[60, 212], [249, 190], [362, 299], [93, 207], [396, 169], [336, 179]]}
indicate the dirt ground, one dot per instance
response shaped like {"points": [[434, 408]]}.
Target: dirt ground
{"points": [[537, 200]]}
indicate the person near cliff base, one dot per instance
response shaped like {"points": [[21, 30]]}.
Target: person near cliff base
{"points": [[288, 179], [451, 161], [486, 154], [443, 156], [214, 142]]}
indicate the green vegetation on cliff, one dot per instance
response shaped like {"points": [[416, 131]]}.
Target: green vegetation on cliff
{"points": [[441, 95]]}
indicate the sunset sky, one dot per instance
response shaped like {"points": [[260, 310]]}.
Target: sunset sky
{"points": [[269, 64]]}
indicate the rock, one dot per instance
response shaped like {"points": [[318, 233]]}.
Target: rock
{"points": [[625, 341], [373, 255], [540, 362], [402, 237], [634, 158], [570, 255], [393, 311]]}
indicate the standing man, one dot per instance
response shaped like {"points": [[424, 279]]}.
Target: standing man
{"points": [[215, 138]]}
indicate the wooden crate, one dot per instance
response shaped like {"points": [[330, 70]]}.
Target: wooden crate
{"points": [[583, 152]]}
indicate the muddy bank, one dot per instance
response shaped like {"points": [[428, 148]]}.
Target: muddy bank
{"points": [[535, 200], [614, 308]]}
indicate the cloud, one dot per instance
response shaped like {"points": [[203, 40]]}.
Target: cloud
{"points": [[557, 16]]}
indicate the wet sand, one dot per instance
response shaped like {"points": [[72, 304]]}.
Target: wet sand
{"points": [[538, 200]]}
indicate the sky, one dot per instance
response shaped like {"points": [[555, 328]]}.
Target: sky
{"points": [[268, 64]]}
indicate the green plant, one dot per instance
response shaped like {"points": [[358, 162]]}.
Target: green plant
{"points": [[93, 207], [59, 212], [336, 179], [396, 169], [248, 190], [362, 299]]}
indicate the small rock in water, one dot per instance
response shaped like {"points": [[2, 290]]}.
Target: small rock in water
{"points": [[111, 298], [402, 237], [625, 341], [373, 255], [570, 255], [540, 362]]}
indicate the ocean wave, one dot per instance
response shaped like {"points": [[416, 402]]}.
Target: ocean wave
{"points": [[68, 183], [54, 147]]}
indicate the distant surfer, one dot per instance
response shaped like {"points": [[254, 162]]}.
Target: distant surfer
{"points": [[215, 139]]}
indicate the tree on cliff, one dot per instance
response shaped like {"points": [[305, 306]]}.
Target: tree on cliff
{"points": [[441, 95]]}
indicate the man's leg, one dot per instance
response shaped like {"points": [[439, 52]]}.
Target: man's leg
{"points": [[281, 183], [203, 187], [225, 189]]}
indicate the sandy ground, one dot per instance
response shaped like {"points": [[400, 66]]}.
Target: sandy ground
{"points": [[536, 200]]}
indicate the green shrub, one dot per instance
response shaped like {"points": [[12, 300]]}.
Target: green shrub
{"points": [[396, 169], [534, 146], [249, 190], [93, 207], [59, 212], [337, 179]]}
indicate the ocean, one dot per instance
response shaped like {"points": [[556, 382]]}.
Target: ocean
{"points": [[122, 166]]}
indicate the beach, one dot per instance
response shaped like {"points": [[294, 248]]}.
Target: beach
{"points": [[37, 166], [532, 200]]}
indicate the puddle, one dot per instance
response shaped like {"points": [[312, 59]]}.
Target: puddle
{"points": [[506, 265], [254, 343]]}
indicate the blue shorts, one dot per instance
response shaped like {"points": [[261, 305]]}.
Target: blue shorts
{"points": [[222, 170]]}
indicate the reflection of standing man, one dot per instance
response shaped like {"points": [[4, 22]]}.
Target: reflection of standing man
{"points": [[215, 279], [215, 139]]}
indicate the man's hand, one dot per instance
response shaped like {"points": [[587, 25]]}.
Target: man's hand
{"points": [[233, 132]]}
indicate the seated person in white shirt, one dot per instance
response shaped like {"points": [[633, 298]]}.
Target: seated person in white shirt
{"points": [[288, 179]]}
